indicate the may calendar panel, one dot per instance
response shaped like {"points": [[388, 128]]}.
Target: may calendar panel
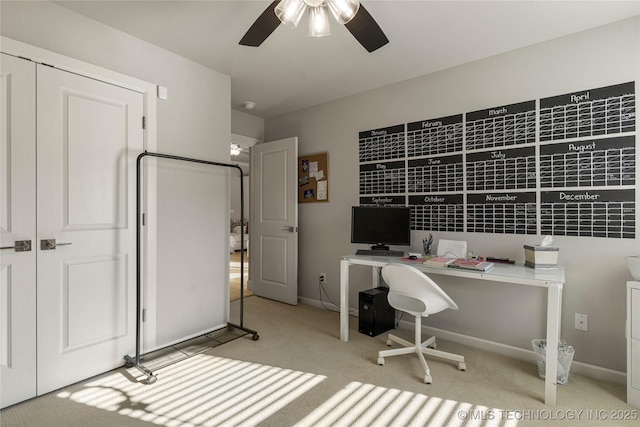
{"points": [[437, 212], [601, 111], [505, 169], [501, 126], [590, 213], [383, 178], [436, 136], [393, 201], [589, 163], [382, 144], [511, 213], [435, 174]]}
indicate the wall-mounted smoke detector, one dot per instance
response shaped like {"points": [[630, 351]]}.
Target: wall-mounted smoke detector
{"points": [[249, 105]]}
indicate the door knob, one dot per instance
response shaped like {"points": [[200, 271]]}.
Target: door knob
{"points": [[49, 244], [20, 246], [290, 229]]}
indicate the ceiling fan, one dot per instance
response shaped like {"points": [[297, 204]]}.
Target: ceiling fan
{"points": [[289, 12]]}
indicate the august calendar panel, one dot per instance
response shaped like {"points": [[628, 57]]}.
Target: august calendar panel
{"points": [[501, 126], [505, 169], [437, 212], [511, 213], [592, 213], [436, 174], [435, 136], [383, 178], [382, 144]]}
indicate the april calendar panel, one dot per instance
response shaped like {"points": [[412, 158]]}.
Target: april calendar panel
{"points": [[382, 144], [383, 178], [501, 126], [511, 213], [435, 174], [437, 212], [589, 163], [393, 201], [592, 213], [435, 136], [505, 169], [600, 111]]}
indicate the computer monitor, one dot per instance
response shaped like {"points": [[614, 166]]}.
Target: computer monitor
{"points": [[381, 226]]}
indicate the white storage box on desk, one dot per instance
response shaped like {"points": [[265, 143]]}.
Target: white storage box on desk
{"points": [[542, 257]]}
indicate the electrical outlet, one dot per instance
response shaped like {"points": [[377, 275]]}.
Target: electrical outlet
{"points": [[323, 278], [582, 322]]}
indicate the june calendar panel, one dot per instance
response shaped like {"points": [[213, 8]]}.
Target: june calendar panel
{"points": [[382, 144], [436, 136], [592, 213], [437, 213], [601, 111], [392, 201], [501, 126], [383, 178], [589, 163], [505, 169], [511, 213], [436, 174]]}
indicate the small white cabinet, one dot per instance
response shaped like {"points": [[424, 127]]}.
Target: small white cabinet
{"points": [[633, 343]]}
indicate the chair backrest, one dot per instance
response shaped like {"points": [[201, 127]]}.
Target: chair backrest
{"points": [[413, 291], [452, 248]]}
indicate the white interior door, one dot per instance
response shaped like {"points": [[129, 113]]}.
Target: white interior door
{"points": [[274, 220], [89, 134], [17, 223]]}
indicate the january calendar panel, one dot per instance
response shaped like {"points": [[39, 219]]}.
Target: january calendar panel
{"points": [[435, 136], [592, 213], [511, 213], [589, 163], [505, 169], [383, 178], [437, 213], [392, 201], [601, 111], [435, 174], [501, 126], [382, 144]]}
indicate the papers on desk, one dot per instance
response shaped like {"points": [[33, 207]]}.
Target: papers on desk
{"points": [[471, 264], [438, 261]]}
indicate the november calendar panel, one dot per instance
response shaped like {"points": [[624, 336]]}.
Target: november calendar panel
{"points": [[383, 178], [437, 212], [382, 144], [437, 136], [501, 126], [504, 213]]}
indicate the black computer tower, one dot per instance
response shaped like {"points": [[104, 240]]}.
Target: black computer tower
{"points": [[375, 314]]}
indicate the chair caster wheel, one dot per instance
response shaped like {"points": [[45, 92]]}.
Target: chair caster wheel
{"points": [[427, 379], [462, 366], [151, 379], [381, 361], [255, 337], [389, 343]]}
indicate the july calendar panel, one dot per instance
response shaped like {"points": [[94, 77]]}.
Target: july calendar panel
{"points": [[435, 174], [505, 169], [437, 213], [589, 213], [436, 136], [511, 213], [501, 126], [393, 201], [383, 178], [601, 111], [382, 144], [589, 163]]}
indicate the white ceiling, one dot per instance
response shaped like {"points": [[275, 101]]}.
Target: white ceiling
{"points": [[291, 71]]}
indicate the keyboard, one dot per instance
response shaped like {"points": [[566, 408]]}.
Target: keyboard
{"points": [[380, 252]]}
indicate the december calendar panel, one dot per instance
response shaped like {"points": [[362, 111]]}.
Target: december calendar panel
{"points": [[510, 213], [383, 178], [501, 126], [436, 174], [437, 212], [381, 144], [505, 169], [392, 201], [602, 111], [589, 163], [435, 136], [589, 213]]}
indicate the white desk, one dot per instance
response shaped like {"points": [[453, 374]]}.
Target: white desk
{"points": [[553, 280]]}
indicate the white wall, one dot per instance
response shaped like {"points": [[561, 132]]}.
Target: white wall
{"points": [[193, 212], [512, 315]]}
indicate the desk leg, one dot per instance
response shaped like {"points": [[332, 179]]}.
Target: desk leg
{"points": [[553, 331], [344, 300]]}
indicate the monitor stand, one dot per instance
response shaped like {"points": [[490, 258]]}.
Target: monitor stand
{"points": [[380, 247]]}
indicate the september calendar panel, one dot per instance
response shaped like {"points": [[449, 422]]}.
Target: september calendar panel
{"points": [[592, 213], [501, 126], [383, 178], [511, 213], [392, 201], [382, 144], [502, 169], [437, 213], [589, 163], [600, 111], [436, 174], [436, 136]]}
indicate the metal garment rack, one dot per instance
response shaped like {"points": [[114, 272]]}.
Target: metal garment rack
{"points": [[135, 361]]}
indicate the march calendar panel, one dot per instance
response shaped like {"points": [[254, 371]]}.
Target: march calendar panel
{"points": [[382, 144], [437, 212], [503, 126]]}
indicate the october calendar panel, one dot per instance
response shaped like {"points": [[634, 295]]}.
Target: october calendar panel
{"points": [[437, 212]]}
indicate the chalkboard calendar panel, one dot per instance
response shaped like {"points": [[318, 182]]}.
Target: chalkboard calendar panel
{"points": [[501, 126], [393, 201], [505, 169], [383, 178], [382, 144], [511, 213], [435, 174], [437, 212], [435, 136]]}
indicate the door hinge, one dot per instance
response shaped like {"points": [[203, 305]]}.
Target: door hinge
{"points": [[144, 314], [144, 122], [144, 219]]}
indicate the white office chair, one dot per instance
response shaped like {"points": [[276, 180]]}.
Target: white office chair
{"points": [[452, 248], [415, 293]]}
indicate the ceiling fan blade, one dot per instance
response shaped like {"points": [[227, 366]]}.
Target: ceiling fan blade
{"points": [[262, 27], [366, 30]]}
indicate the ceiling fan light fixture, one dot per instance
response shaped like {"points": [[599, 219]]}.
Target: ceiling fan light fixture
{"points": [[343, 10], [289, 12], [319, 21]]}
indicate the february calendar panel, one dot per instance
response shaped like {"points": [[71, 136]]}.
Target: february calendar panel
{"points": [[383, 178], [437, 213], [592, 213], [589, 163], [501, 126], [382, 144], [505, 169], [601, 111], [435, 136], [511, 213], [393, 201], [436, 174]]}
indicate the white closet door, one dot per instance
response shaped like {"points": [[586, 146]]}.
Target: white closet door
{"points": [[17, 222], [89, 134]]}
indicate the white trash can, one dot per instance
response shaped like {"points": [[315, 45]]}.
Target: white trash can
{"points": [[565, 357]]}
